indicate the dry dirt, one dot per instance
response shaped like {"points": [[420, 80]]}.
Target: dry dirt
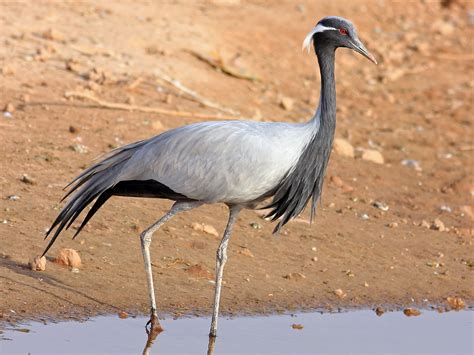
{"points": [[415, 105]]}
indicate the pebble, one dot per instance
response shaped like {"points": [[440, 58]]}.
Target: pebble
{"points": [[13, 197], [467, 210], [38, 263], [246, 252], [410, 163], [379, 311], [206, 228], [53, 35], [9, 107], [445, 208], [373, 155], [158, 126], [68, 257], [314, 258], [425, 224], [79, 148], [286, 103], [392, 225], [199, 271], [381, 205], [295, 276], [123, 315], [343, 147], [336, 180], [297, 326], [364, 216], [411, 312], [255, 225], [27, 180], [340, 293], [438, 225], [456, 303], [443, 27], [7, 114]]}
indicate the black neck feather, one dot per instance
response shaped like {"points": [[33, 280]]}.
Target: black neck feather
{"points": [[305, 180]]}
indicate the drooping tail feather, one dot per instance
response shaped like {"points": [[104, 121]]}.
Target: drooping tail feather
{"points": [[94, 182]]}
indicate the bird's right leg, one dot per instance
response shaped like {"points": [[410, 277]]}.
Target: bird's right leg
{"points": [[145, 239]]}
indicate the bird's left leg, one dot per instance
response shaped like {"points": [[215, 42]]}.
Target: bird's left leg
{"points": [[145, 239], [221, 259]]}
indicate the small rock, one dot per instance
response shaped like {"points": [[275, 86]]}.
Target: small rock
{"points": [[379, 311], [456, 303], [25, 98], [123, 315], [392, 225], [445, 208], [336, 180], [410, 163], [314, 258], [438, 225], [366, 284], [38, 263], [27, 180], [158, 126], [381, 206], [206, 228], [364, 216], [343, 147], [467, 210], [297, 326], [68, 257], [13, 197], [286, 103], [53, 35], [372, 155], [75, 270], [340, 293], [79, 148], [443, 27], [411, 312], [198, 270], [246, 252], [425, 224], [255, 225], [73, 129], [9, 107], [295, 276]]}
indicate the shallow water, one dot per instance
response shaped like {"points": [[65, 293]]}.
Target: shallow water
{"points": [[357, 332]]}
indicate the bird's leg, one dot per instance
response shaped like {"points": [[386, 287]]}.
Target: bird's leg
{"points": [[145, 239], [221, 259]]}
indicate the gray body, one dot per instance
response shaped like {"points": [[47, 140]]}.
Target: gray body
{"points": [[234, 162], [239, 163]]}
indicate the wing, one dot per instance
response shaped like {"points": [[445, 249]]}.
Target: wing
{"points": [[225, 161]]}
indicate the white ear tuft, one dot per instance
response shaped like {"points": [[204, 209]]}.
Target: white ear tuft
{"points": [[309, 37], [307, 41]]}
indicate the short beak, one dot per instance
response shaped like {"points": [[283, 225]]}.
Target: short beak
{"points": [[360, 48]]}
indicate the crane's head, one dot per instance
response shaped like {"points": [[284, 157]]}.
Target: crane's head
{"points": [[336, 32]]}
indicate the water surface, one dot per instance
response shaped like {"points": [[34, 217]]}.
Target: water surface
{"points": [[357, 332]]}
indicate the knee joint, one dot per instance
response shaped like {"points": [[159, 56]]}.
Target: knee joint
{"points": [[145, 238]]}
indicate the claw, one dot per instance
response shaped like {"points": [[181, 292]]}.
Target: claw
{"points": [[153, 325]]}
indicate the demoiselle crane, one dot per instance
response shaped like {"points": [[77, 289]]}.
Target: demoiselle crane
{"points": [[238, 163]]}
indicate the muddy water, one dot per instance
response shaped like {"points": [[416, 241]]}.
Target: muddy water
{"points": [[358, 332]]}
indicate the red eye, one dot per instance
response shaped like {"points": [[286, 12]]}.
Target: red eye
{"points": [[343, 31]]}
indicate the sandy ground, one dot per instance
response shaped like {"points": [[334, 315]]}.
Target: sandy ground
{"points": [[415, 105]]}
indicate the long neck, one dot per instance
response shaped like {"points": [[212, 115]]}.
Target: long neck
{"points": [[327, 102], [304, 181]]}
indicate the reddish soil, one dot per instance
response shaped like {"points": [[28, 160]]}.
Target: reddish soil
{"points": [[416, 104]]}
